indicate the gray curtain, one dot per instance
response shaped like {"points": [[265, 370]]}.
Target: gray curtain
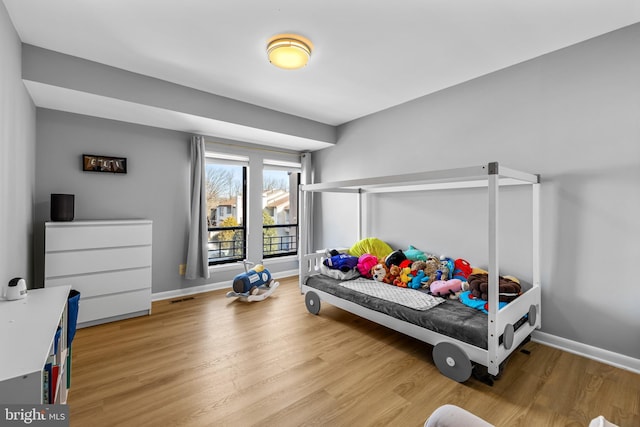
{"points": [[197, 254]]}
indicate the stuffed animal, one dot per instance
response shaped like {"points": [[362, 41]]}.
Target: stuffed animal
{"points": [[446, 266], [445, 288], [508, 288], [415, 254], [403, 278], [342, 262], [249, 281], [417, 274], [416, 280], [365, 263], [464, 288], [461, 269], [478, 270], [253, 285], [379, 272], [418, 265], [392, 275], [405, 264], [432, 265], [395, 258], [331, 252]]}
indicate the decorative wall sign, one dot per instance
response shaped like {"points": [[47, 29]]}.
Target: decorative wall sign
{"points": [[93, 163]]}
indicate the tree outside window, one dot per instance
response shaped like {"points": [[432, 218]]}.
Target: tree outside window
{"points": [[225, 192]]}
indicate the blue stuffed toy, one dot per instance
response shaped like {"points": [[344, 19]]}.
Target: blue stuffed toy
{"points": [[416, 281], [253, 285], [249, 281], [415, 254], [342, 262]]}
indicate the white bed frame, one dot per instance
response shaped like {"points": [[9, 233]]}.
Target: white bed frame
{"points": [[453, 357]]}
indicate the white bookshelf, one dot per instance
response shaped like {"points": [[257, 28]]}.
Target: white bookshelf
{"points": [[28, 329]]}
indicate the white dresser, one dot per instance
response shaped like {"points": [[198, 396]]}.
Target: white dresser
{"points": [[108, 262]]}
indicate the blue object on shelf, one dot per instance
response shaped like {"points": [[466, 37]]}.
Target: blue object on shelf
{"points": [[56, 340], [72, 321]]}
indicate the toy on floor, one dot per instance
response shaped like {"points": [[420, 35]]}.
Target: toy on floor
{"points": [[253, 285]]}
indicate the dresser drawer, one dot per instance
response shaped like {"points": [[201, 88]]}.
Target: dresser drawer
{"points": [[106, 306], [85, 236], [96, 260], [111, 282]]}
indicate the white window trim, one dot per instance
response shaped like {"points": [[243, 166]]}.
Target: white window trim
{"points": [[267, 159]]}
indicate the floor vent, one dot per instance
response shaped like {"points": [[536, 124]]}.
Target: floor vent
{"points": [[182, 299]]}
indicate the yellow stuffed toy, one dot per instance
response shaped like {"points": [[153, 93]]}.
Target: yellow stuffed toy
{"points": [[403, 279]]}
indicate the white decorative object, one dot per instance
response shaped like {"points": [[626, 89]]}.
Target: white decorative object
{"points": [[15, 289]]}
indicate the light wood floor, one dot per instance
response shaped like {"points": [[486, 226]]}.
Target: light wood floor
{"points": [[214, 361]]}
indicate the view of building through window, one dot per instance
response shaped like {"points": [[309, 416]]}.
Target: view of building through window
{"points": [[225, 212], [280, 212], [226, 216]]}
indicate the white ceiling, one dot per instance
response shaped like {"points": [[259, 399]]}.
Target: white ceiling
{"points": [[368, 56]]}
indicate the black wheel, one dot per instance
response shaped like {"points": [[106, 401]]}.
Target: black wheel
{"points": [[452, 361], [312, 301]]}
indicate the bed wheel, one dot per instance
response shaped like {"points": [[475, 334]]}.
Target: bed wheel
{"points": [[312, 301], [533, 312], [452, 361], [507, 336]]}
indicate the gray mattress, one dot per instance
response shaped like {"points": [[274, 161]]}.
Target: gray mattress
{"points": [[451, 318]]}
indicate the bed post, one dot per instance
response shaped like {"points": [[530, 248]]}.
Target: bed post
{"points": [[493, 366], [305, 222], [536, 234], [536, 240], [302, 248], [360, 224]]}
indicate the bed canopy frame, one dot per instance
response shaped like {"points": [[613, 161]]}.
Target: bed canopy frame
{"points": [[492, 177]]}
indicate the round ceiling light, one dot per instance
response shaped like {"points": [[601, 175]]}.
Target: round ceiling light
{"points": [[289, 51]]}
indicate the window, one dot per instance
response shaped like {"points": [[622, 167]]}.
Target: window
{"points": [[236, 212], [226, 183], [280, 208]]}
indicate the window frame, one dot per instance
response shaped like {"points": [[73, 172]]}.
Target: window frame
{"points": [[292, 168], [215, 158]]}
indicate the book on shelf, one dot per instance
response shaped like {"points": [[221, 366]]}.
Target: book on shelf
{"points": [[57, 345], [55, 370], [46, 383], [52, 359]]}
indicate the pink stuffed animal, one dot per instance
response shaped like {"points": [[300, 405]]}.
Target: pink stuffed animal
{"points": [[444, 288], [365, 263]]}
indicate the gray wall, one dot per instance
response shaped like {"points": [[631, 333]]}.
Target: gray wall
{"points": [[17, 152], [572, 116], [156, 187]]}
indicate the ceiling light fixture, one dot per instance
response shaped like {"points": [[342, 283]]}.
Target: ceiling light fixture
{"points": [[289, 51]]}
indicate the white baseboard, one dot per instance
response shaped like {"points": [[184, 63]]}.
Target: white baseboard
{"points": [[284, 274], [605, 356], [159, 296]]}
